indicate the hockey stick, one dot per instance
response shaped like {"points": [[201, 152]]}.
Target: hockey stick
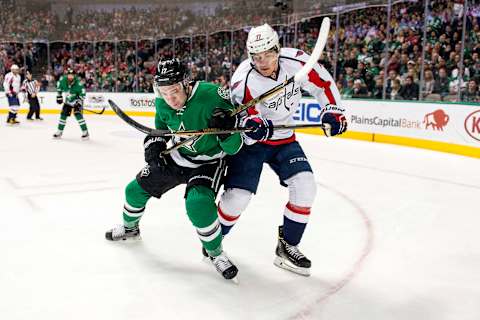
{"points": [[325, 126], [150, 131], [239, 129], [96, 112], [135, 124]]}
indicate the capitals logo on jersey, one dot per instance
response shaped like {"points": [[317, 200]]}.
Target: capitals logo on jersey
{"points": [[286, 99]]}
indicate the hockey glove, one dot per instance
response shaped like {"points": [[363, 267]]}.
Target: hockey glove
{"points": [[153, 146], [59, 99], [78, 104], [334, 117], [221, 119], [262, 128]]}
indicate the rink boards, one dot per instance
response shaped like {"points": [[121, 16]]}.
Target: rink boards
{"points": [[446, 127]]}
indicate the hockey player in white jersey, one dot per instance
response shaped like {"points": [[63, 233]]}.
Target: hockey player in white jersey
{"points": [[268, 66], [12, 84]]}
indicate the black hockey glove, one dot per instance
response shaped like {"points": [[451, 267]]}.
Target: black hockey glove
{"points": [[153, 146], [334, 116], [78, 104], [262, 128], [221, 119], [59, 99]]}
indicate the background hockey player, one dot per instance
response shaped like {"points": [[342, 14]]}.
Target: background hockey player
{"points": [[268, 66], [31, 87], [182, 106], [75, 94], [11, 84]]}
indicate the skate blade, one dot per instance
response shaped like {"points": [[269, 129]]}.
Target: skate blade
{"points": [[284, 264], [235, 280], [133, 239], [129, 239]]}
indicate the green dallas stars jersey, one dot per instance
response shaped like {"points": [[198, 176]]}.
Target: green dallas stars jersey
{"points": [[198, 109], [75, 90]]}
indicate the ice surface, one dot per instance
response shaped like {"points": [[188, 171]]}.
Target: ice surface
{"points": [[393, 235]]}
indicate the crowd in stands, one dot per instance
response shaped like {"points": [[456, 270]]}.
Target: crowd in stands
{"points": [[363, 66]]}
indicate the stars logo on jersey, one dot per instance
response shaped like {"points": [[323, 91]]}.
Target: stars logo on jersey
{"points": [[224, 93], [178, 139], [145, 171]]}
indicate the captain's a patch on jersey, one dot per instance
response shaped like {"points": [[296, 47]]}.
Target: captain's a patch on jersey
{"points": [[224, 93]]}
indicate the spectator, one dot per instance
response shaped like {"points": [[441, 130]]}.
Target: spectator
{"points": [[429, 83], [392, 76], [472, 93], [455, 83], [359, 91], [395, 91], [377, 92], [347, 91], [442, 84], [44, 83], [409, 90]]}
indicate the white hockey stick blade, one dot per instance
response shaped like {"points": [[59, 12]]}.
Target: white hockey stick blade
{"points": [[317, 50]]}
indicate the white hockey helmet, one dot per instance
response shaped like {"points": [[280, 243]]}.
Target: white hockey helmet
{"points": [[14, 67], [262, 38]]}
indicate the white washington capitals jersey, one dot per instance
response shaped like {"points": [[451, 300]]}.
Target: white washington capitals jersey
{"points": [[247, 83], [11, 83]]}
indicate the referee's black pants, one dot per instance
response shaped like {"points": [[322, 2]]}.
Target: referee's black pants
{"points": [[34, 108]]}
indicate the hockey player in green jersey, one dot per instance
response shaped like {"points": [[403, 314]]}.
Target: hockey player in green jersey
{"points": [[181, 105], [70, 84]]}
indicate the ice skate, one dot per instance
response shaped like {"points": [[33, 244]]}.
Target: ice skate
{"points": [[225, 267], [85, 135], [13, 121], [121, 232], [290, 257], [58, 135]]}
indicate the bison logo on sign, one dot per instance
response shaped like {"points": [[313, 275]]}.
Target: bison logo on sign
{"points": [[436, 119], [472, 125]]}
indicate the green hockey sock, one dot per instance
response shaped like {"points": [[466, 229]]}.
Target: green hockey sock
{"points": [[81, 121], [202, 212], [62, 122], [136, 199]]}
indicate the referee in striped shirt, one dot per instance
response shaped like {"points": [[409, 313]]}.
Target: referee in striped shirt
{"points": [[31, 87]]}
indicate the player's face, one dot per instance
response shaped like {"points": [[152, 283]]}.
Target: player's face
{"points": [[70, 77], [266, 62], [174, 95]]}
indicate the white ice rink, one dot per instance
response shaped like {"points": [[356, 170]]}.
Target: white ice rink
{"points": [[394, 234]]}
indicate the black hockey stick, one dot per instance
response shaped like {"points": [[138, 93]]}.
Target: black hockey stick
{"points": [[167, 133], [95, 111], [135, 124], [150, 131]]}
